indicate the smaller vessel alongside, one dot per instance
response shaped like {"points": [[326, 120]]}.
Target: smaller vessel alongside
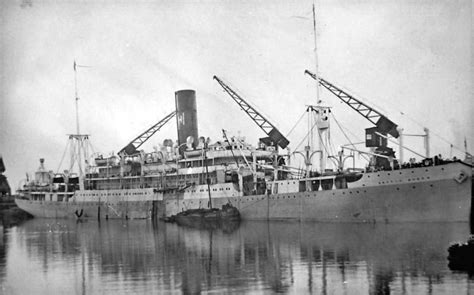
{"points": [[461, 255], [209, 217], [204, 218]]}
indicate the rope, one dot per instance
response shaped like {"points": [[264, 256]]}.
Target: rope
{"points": [[304, 138], [62, 158], [392, 105], [345, 135], [431, 132], [297, 122]]}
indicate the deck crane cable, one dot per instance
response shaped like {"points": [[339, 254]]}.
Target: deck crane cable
{"points": [[131, 147], [404, 114], [352, 101], [345, 135], [272, 132], [384, 124]]}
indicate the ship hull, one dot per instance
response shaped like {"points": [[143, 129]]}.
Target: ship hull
{"points": [[86, 210], [435, 194], [422, 202]]}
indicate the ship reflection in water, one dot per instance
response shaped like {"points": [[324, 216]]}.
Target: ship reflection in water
{"points": [[121, 257]]}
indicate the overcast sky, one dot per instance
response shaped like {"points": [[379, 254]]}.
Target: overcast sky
{"points": [[410, 59]]}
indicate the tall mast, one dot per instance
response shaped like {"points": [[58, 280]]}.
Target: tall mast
{"points": [[77, 99], [78, 137], [316, 55], [78, 134], [321, 112]]}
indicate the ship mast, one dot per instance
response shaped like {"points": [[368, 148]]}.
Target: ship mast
{"points": [[316, 55], [77, 140], [322, 112], [321, 119], [77, 98]]}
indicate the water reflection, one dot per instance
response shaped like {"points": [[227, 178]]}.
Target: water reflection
{"points": [[52, 256]]}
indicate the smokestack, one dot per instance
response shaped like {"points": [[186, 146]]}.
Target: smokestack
{"points": [[186, 117]]}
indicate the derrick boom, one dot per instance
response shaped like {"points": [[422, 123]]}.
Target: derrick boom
{"points": [[384, 125], [132, 147], [273, 133]]}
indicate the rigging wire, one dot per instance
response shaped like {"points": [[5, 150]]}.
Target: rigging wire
{"points": [[304, 138], [62, 158], [345, 135], [402, 113], [434, 133], [297, 122]]}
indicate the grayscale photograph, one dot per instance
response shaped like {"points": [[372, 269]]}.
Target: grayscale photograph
{"points": [[236, 147]]}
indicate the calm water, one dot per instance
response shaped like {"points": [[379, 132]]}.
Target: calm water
{"points": [[123, 257]]}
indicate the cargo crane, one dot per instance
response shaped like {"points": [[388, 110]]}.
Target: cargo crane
{"points": [[274, 135], [132, 147], [376, 137]]}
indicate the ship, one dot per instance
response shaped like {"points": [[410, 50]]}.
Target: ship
{"points": [[258, 180], [5, 190]]}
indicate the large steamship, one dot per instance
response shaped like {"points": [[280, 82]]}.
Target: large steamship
{"points": [[258, 180]]}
